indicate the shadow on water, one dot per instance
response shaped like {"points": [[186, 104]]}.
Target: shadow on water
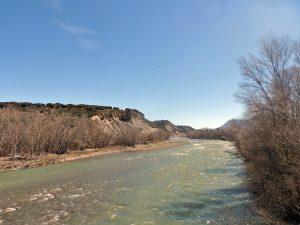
{"points": [[228, 171], [220, 206], [233, 168]]}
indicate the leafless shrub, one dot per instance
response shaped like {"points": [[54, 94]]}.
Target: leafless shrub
{"points": [[270, 143], [25, 133], [219, 134], [157, 135], [127, 137]]}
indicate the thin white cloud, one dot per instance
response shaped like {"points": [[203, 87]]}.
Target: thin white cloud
{"points": [[86, 38], [89, 44], [76, 30], [55, 5]]}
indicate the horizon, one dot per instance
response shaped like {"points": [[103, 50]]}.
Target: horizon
{"points": [[173, 61]]}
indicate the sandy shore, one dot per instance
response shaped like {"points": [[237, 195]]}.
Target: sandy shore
{"points": [[41, 160]]}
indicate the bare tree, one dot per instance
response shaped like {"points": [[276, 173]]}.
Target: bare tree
{"points": [[270, 143]]}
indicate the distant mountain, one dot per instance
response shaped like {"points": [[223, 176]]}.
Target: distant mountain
{"points": [[175, 131], [233, 122], [220, 133]]}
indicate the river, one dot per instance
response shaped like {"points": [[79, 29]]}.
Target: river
{"points": [[197, 183]]}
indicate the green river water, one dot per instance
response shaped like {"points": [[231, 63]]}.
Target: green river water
{"points": [[197, 183]]}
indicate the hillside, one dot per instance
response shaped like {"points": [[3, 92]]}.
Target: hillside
{"points": [[110, 120], [28, 129], [175, 131]]}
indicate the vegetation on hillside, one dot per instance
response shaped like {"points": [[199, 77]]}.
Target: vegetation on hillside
{"points": [[25, 131], [76, 110], [170, 128], [270, 142]]}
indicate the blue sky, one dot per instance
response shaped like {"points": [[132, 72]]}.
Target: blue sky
{"points": [[173, 60]]}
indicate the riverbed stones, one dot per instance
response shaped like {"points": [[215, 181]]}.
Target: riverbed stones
{"points": [[10, 209]]}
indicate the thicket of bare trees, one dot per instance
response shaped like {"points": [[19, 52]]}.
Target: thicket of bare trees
{"points": [[270, 142], [28, 133], [218, 134]]}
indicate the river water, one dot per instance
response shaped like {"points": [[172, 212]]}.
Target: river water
{"points": [[197, 183]]}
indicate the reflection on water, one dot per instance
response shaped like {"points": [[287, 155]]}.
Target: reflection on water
{"points": [[199, 183]]}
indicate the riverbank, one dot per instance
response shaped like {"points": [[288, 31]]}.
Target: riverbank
{"points": [[7, 164]]}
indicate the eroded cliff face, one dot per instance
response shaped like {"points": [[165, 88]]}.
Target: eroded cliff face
{"points": [[117, 121], [121, 121]]}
